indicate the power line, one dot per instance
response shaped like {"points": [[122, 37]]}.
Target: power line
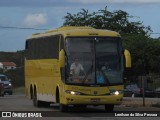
{"points": [[9, 27], [155, 33]]}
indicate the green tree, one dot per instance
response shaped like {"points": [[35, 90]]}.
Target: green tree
{"points": [[104, 19], [16, 76], [138, 46], [153, 55]]}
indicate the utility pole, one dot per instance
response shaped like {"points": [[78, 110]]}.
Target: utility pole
{"points": [[143, 81], [143, 90]]}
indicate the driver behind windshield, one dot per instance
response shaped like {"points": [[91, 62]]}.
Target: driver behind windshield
{"points": [[76, 68]]}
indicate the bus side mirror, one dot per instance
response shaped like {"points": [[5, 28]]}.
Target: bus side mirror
{"points": [[127, 56], [62, 58]]}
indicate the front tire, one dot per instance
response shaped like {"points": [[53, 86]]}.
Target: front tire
{"points": [[63, 108]]}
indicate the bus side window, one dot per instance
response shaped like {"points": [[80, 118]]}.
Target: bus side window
{"points": [[29, 49]]}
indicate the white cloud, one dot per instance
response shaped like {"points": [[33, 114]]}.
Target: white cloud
{"points": [[35, 20]]}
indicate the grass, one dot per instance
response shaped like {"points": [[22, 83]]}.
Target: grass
{"points": [[19, 90]]}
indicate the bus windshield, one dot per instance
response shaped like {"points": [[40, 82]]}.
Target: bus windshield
{"points": [[94, 61]]}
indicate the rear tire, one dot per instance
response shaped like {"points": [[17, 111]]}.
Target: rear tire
{"points": [[109, 108], [46, 104], [36, 102]]}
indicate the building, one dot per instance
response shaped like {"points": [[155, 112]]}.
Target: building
{"points": [[7, 65]]}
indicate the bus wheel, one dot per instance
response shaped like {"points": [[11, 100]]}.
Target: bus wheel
{"points": [[36, 102], [46, 104], [63, 108], [109, 108]]}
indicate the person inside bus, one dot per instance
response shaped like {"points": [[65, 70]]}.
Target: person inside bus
{"points": [[100, 77], [76, 68], [105, 68]]}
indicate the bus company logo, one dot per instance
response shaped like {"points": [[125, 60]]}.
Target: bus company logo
{"points": [[95, 92], [6, 114]]}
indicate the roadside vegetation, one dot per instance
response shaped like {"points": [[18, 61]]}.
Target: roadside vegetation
{"points": [[17, 75]]}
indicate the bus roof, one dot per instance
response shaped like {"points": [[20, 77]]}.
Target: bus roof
{"points": [[70, 31]]}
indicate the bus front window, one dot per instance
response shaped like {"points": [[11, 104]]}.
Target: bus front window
{"points": [[81, 65], [93, 61], [108, 60]]}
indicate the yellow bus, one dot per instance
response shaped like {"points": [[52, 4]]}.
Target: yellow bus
{"points": [[75, 66]]}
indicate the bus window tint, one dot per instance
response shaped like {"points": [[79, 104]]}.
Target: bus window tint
{"points": [[93, 54], [108, 59], [106, 46], [79, 44], [81, 49]]}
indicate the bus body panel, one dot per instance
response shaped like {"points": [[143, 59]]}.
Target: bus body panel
{"points": [[44, 76]]}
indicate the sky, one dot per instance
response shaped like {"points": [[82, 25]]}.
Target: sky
{"points": [[49, 14]]}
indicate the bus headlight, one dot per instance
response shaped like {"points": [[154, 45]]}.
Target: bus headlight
{"points": [[73, 92], [10, 84], [115, 92]]}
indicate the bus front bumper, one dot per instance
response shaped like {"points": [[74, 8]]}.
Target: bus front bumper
{"points": [[93, 100]]}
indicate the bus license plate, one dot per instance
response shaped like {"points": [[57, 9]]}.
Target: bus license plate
{"points": [[95, 99]]}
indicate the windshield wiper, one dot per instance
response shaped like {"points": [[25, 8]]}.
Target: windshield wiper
{"points": [[86, 76], [106, 78]]}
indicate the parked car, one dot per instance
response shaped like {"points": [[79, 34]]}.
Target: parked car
{"points": [[132, 89], [1, 89], [138, 92], [6, 84]]}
